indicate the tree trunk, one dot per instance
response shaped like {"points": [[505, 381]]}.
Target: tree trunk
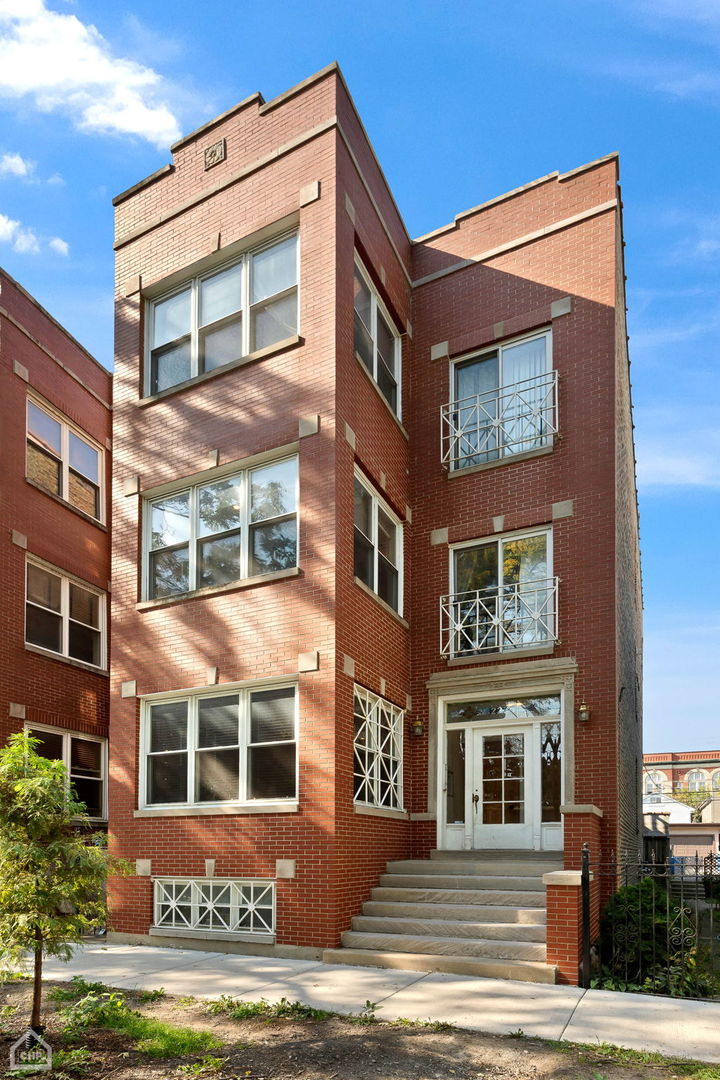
{"points": [[37, 983]]}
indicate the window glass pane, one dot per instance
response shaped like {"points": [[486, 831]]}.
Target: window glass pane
{"points": [[525, 360], [476, 568], [476, 377], [386, 342], [550, 771], [271, 771], [43, 587], [272, 715], [83, 643], [170, 520], [221, 346], [83, 494], [168, 726], [43, 628], [525, 559], [387, 385], [43, 469], [387, 535], [83, 458], [46, 430], [218, 561], [363, 300], [217, 775], [387, 586], [84, 606], [89, 792], [85, 757], [274, 321], [171, 318], [363, 509], [363, 343], [170, 367], [218, 721], [219, 507], [167, 778], [51, 744], [169, 572], [273, 547], [272, 490], [220, 295], [274, 270], [364, 568]]}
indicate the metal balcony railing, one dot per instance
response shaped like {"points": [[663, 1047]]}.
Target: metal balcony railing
{"points": [[499, 619], [510, 420]]}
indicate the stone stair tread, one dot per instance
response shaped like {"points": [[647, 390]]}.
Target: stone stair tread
{"points": [[510, 915], [433, 894], [498, 949], [478, 967], [489, 931], [474, 868], [465, 881]]}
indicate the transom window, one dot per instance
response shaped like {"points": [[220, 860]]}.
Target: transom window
{"points": [[215, 906], [223, 315], [84, 760], [216, 533], [378, 771], [63, 461], [63, 616], [221, 748], [378, 545], [377, 342]]}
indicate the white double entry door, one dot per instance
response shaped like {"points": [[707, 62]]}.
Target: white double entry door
{"points": [[501, 777]]}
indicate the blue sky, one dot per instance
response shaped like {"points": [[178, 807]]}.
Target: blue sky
{"points": [[463, 101]]}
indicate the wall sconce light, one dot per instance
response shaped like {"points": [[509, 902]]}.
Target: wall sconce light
{"points": [[418, 728], [583, 712]]}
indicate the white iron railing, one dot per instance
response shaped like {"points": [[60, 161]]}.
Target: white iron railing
{"points": [[510, 420], [498, 619]]}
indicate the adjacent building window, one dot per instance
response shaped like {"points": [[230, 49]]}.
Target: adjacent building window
{"points": [[377, 342], [221, 316], [654, 783], [378, 545], [64, 616], [63, 461], [697, 780], [378, 771], [504, 596], [84, 759], [215, 907], [221, 748], [216, 533]]}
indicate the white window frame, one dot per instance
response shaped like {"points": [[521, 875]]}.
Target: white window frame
{"points": [[66, 428], [655, 782], [188, 892], [215, 476], [377, 303], [193, 283], [65, 581], [243, 692], [695, 785], [67, 736], [374, 704], [377, 500]]}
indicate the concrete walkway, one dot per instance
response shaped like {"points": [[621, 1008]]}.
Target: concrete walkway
{"points": [[669, 1026]]}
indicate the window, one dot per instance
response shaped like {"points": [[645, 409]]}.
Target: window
{"points": [[504, 403], [504, 596], [696, 780], [378, 772], [229, 907], [64, 616], [63, 461], [84, 761], [216, 533], [378, 545], [221, 748], [377, 342], [654, 783], [223, 315]]}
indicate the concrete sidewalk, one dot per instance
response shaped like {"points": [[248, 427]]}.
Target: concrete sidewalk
{"points": [[669, 1026]]}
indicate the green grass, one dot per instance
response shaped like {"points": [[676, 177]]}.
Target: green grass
{"points": [[620, 1055], [75, 989], [237, 1009], [146, 996], [204, 1067], [427, 1025]]}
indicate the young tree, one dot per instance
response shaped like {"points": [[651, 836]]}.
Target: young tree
{"points": [[51, 873]]}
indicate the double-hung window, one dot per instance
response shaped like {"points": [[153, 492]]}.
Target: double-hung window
{"points": [[377, 342], [64, 616], [221, 747], [378, 545], [84, 758], [378, 773], [224, 315], [63, 461], [219, 532]]}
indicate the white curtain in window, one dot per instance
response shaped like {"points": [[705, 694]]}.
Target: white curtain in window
{"points": [[522, 366]]}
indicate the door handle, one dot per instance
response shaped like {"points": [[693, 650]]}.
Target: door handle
{"points": [[476, 800]]}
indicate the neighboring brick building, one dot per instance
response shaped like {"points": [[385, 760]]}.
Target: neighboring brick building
{"points": [[353, 623], [695, 771], [55, 417]]}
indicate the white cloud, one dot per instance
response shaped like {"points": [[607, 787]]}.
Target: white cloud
{"points": [[677, 447], [15, 165], [65, 65], [677, 80], [56, 178], [59, 246]]}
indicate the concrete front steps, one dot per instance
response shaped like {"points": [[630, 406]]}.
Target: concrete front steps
{"points": [[469, 913]]}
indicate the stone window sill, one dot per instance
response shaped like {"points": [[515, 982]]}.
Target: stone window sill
{"points": [[209, 935], [233, 586], [509, 459], [290, 807], [509, 654], [39, 651], [68, 505], [381, 811], [379, 600], [382, 397]]}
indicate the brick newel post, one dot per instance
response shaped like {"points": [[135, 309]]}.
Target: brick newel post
{"points": [[564, 893]]}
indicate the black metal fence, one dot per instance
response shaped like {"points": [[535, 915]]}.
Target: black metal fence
{"points": [[660, 929]]}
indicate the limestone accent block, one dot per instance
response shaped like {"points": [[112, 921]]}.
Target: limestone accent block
{"points": [[21, 370], [309, 193], [210, 868], [285, 868], [349, 666], [561, 307], [562, 509], [19, 539], [350, 209], [212, 459], [350, 435], [143, 867], [498, 523], [439, 536], [440, 351], [131, 485], [128, 689], [211, 676], [408, 702], [383, 687], [308, 425], [308, 661], [408, 514], [499, 329], [16, 710]]}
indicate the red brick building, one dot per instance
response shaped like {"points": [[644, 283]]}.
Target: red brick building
{"points": [[376, 586], [55, 417]]}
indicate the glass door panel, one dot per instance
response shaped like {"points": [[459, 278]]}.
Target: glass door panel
{"points": [[503, 779]]}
